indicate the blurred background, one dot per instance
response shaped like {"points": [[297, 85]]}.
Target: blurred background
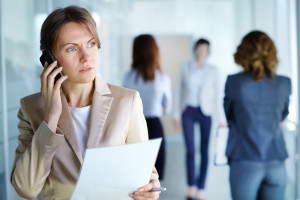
{"points": [[175, 24]]}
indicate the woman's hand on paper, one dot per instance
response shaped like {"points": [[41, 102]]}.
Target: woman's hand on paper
{"points": [[143, 193]]}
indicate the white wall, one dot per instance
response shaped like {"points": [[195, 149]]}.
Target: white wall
{"points": [[194, 18]]}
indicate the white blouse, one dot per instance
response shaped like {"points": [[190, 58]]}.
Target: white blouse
{"points": [[81, 121], [156, 95]]}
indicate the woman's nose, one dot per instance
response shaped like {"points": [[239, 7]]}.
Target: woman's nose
{"points": [[84, 55]]}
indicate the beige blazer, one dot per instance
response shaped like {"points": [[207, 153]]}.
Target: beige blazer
{"points": [[47, 164]]}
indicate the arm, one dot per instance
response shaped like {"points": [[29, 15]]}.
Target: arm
{"points": [[33, 157], [219, 80], [167, 101], [178, 94], [227, 104], [178, 98], [285, 111]]}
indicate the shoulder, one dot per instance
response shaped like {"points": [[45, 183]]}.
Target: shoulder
{"points": [[234, 77], [121, 92], [284, 82], [211, 67], [129, 74], [33, 105], [104, 88], [211, 70], [32, 99], [131, 71], [234, 80], [283, 79], [162, 76], [124, 97], [185, 65]]}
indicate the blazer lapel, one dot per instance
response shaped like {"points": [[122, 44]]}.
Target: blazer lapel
{"points": [[65, 124], [101, 104]]}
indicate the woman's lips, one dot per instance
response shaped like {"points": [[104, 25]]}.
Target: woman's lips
{"points": [[86, 69]]}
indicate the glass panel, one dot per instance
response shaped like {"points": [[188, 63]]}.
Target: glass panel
{"points": [[2, 158], [21, 64], [2, 176]]}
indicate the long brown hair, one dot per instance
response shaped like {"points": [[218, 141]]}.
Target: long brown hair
{"points": [[58, 18], [257, 54], [145, 56]]}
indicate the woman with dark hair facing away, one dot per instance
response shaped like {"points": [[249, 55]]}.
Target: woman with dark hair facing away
{"points": [[77, 112], [198, 96], [154, 87], [256, 103]]}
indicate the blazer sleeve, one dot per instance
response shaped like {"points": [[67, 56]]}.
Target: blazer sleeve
{"points": [[285, 111], [137, 131], [219, 85], [33, 156], [227, 103]]}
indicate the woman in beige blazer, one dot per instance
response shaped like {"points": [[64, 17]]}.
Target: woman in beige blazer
{"points": [[50, 152]]}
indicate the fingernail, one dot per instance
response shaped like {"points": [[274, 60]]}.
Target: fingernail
{"points": [[141, 189], [131, 195]]}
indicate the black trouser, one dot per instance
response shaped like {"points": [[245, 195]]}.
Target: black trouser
{"points": [[155, 130]]}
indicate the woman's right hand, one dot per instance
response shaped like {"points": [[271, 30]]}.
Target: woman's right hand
{"points": [[177, 123], [51, 94]]}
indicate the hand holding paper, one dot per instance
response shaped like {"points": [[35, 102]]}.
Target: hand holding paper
{"points": [[114, 172], [146, 190]]}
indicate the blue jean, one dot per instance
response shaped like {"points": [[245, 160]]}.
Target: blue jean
{"points": [[190, 116], [251, 180]]}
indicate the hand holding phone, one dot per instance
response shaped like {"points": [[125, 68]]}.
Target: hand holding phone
{"points": [[47, 57], [52, 97]]}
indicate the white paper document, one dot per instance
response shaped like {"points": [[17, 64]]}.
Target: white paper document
{"points": [[111, 173]]}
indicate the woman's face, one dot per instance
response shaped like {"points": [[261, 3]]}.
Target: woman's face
{"points": [[202, 51], [77, 52]]}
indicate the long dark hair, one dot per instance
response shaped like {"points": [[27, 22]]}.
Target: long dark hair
{"points": [[145, 56]]}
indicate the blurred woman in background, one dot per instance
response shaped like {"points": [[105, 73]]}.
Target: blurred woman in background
{"points": [[198, 96], [256, 103], [154, 87]]}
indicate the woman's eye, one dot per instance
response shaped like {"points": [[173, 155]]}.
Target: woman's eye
{"points": [[71, 49], [92, 44]]}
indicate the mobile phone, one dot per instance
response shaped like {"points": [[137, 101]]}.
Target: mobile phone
{"points": [[47, 57]]}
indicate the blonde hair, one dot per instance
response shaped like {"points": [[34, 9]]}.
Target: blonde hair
{"points": [[257, 54]]}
